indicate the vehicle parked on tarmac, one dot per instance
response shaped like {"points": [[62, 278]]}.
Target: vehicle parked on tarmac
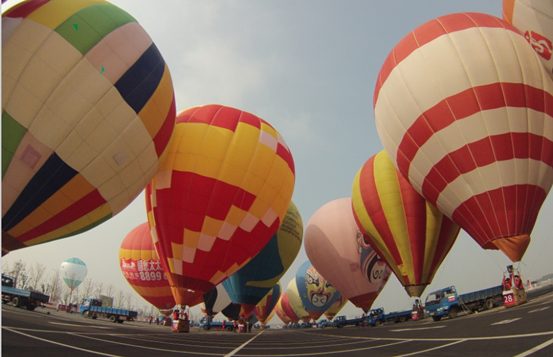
{"points": [[206, 323], [19, 297], [92, 308], [377, 317], [446, 302], [341, 321]]}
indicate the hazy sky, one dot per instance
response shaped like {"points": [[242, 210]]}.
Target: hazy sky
{"points": [[309, 68]]}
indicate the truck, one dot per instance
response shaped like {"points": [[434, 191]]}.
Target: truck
{"points": [[92, 308], [446, 302], [206, 323], [19, 297], [341, 321], [377, 317]]}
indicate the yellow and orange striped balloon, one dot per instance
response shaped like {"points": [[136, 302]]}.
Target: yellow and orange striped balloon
{"points": [[409, 233]]}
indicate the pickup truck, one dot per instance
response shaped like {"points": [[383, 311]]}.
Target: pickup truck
{"points": [[93, 308], [446, 302], [377, 317], [19, 297]]}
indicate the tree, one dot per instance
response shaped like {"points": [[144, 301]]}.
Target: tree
{"points": [[19, 274], [88, 288], [98, 290], [53, 287], [36, 275]]}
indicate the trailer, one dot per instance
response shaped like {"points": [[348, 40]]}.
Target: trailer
{"points": [[92, 308], [19, 297], [446, 302], [377, 317]]}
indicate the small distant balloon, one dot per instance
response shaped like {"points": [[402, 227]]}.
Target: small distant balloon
{"points": [[73, 271]]}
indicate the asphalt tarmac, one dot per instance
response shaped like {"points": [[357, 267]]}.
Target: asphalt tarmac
{"points": [[525, 330]]}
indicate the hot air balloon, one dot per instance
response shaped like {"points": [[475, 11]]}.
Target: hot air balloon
{"points": [[87, 112], [460, 107], [316, 293], [534, 19], [410, 234], [254, 280], [219, 197], [336, 307], [265, 307], [279, 311], [218, 300], [295, 301], [333, 244], [287, 308], [73, 271], [141, 267]]}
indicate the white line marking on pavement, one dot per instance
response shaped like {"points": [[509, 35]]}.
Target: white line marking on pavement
{"points": [[58, 343], [77, 325], [538, 310], [535, 349], [506, 321], [417, 328], [232, 353], [431, 349]]}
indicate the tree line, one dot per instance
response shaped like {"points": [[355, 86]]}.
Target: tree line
{"points": [[35, 277]]}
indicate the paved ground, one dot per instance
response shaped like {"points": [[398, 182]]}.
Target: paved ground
{"points": [[521, 331]]}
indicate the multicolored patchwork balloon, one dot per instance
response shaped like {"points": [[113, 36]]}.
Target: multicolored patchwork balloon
{"points": [[254, 280], [462, 108], [220, 195], [87, 111]]}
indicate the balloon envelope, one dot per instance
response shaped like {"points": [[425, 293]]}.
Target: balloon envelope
{"points": [[460, 106], [409, 233], [142, 269], [73, 271], [333, 244], [534, 19], [267, 304], [254, 280], [295, 302], [316, 293], [336, 307], [87, 112], [220, 195], [284, 311]]}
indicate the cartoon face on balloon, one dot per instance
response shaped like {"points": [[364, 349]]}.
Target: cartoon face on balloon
{"points": [[318, 288], [373, 267]]}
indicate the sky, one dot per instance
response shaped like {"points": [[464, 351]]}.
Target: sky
{"points": [[309, 68]]}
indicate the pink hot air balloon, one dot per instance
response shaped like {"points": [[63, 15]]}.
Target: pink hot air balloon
{"points": [[334, 244]]}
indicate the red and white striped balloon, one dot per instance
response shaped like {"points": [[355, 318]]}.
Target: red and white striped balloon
{"points": [[463, 107]]}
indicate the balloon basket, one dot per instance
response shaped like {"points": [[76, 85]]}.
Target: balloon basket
{"points": [[181, 326], [514, 297]]}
